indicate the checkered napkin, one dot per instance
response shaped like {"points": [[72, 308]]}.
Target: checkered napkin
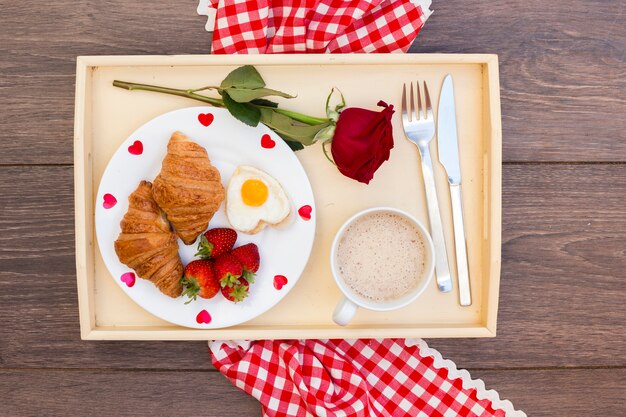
{"points": [[374, 377], [314, 26]]}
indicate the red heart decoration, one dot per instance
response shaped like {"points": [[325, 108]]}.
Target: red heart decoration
{"points": [[203, 317], [305, 212], [128, 278], [267, 142], [280, 281], [205, 119], [136, 148], [109, 201]]}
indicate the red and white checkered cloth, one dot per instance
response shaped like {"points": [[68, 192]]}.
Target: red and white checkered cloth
{"points": [[374, 377], [314, 26], [333, 378]]}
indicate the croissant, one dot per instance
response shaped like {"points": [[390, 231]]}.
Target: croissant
{"points": [[147, 243], [188, 189]]}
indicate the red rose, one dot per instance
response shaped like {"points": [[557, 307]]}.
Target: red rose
{"points": [[362, 141]]}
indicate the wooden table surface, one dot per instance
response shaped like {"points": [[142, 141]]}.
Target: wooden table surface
{"points": [[561, 344]]}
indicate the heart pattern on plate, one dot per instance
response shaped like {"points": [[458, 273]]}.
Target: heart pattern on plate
{"points": [[280, 281], [305, 212], [206, 119], [128, 278], [109, 201], [267, 142], [136, 148], [203, 317], [207, 126]]}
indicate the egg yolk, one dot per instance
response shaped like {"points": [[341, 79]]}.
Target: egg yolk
{"points": [[254, 193]]}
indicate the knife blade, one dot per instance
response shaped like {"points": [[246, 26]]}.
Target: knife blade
{"points": [[446, 132], [448, 144]]}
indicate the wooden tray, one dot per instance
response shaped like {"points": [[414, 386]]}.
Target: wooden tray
{"points": [[105, 116]]}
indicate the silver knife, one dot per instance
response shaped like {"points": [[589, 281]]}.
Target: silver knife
{"points": [[449, 157]]}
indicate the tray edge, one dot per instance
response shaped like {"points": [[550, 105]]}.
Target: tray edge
{"points": [[89, 329]]}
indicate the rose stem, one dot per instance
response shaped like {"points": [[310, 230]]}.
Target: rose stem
{"points": [[310, 120], [173, 91]]}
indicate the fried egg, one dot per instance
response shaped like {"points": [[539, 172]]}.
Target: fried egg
{"points": [[255, 199]]}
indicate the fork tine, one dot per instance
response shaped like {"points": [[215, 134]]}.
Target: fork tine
{"points": [[419, 101], [429, 110], [413, 114], [405, 117]]}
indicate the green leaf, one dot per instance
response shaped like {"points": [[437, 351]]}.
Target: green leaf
{"points": [[326, 133], [248, 276], [263, 102], [243, 77], [295, 146], [244, 112], [333, 114], [288, 128], [326, 142], [244, 95]]}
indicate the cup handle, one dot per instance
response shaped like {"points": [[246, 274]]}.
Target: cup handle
{"points": [[344, 312]]}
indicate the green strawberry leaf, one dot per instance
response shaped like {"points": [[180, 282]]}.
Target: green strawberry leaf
{"points": [[244, 95], [204, 248], [229, 281], [192, 288], [248, 276], [244, 112], [243, 77], [239, 293]]}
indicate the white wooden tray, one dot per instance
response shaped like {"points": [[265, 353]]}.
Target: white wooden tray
{"points": [[106, 115]]}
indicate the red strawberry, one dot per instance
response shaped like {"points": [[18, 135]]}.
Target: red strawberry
{"points": [[237, 292], [200, 280], [228, 270], [248, 255], [216, 242]]}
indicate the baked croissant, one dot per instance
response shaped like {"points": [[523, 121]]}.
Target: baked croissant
{"points": [[188, 189], [147, 243]]}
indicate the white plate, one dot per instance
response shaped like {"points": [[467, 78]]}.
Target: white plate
{"points": [[229, 143]]}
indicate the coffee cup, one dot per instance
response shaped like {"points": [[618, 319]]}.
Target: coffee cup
{"points": [[350, 268]]}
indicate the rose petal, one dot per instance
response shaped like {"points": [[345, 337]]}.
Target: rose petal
{"points": [[362, 142]]}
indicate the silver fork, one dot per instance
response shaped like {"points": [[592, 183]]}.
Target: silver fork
{"points": [[419, 128]]}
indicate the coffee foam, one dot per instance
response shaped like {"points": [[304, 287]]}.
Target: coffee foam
{"points": [[381, 256]]}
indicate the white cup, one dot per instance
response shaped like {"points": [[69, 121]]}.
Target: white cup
{"points": [[350, 302]]}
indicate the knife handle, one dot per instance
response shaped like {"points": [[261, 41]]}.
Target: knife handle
{"points": [[442, 270], [465, 297]]}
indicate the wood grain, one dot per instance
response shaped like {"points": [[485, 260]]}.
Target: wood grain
{"points": [[561, 292], [106, 393], [555, 393], [38, 300], [562, 392], [562, 73], [563, 263], [37, 82], [563, 99]]}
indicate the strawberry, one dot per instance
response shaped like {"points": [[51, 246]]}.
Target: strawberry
{"points": [[216, 242], [248, 255], [200, 280], [237, 292], [228, 270]]}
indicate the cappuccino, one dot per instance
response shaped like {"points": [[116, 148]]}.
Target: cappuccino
{"points": [[381, 256]]}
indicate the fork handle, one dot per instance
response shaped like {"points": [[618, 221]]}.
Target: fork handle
{"points": [[442, 270]]}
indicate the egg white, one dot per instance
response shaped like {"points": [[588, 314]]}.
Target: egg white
{"points": [[250, 219]]}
